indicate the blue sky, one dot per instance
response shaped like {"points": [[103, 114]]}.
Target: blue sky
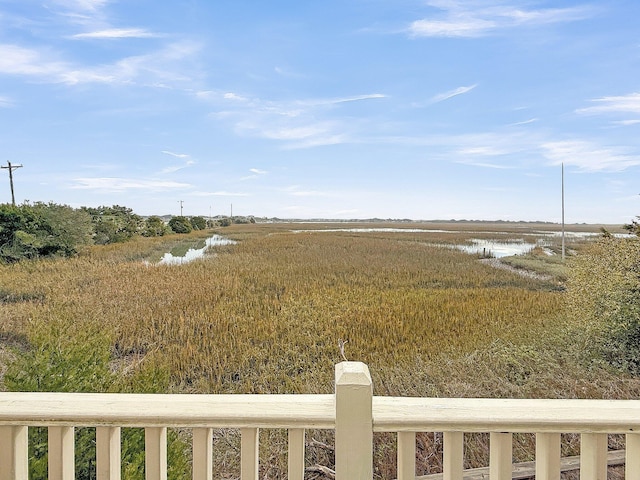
{"points": [[422, 109]]}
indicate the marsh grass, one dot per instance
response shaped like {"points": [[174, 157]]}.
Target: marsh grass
{"points": [[265, 316]]}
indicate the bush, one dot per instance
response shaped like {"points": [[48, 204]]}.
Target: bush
{"points": [[63, 358], [180, 225], [154, 226], [198, 223], [604, 293], [42, 229], [114, 224]]}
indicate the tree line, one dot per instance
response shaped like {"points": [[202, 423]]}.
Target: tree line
{"points": [[39, 229]]}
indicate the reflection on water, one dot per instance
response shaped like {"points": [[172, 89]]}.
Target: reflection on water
{"points": [[493, 248], [195, 253]]}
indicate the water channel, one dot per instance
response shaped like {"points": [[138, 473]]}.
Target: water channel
{"points": [[195, 253]]}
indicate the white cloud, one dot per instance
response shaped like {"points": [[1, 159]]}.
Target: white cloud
{"points": [[117, 33], [158, 68], [178, 155], [485, 151], [233, 96], [627, 123], [336, 101], [222, 193], [617, 104], [589, 156], [468, 18], [524, 122], [453, 93], [298, 124], [6, 102], [82, 5], [16, 60], [113, 184], [257, 171]]}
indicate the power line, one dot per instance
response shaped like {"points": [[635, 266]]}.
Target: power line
{"points": [[11, 168]]}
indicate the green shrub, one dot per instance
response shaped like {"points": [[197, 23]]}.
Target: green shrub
{"points": [[64, 358], [180, 225], [604, 293]]}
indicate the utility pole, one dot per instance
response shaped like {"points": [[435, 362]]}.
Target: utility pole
{"points": [[11, 168], [563, 211]]}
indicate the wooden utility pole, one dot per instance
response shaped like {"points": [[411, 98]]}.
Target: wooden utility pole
{"points": [[11, 168]]}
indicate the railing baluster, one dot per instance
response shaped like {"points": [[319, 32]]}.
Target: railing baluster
{"points": [[61, 453], [406, 455], [202, 453], [249, 454], [155, 457], [500, 456], [108, 453], [296, 454], [593, 456], [632, 467], [13, 453], [453, 456], [547, 456]]}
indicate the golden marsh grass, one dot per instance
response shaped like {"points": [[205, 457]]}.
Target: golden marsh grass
{"points": [[266, 314]]}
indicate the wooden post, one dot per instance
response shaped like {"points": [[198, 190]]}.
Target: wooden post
{"points": [[108, 453], [354, 422], [296, 454], [202, 448], [155, 458], [13, 453], [500, 456], [593, 456], [632, 467], [61, 453], [453, 456], [249, 453], [547, 456], [406, 455]]}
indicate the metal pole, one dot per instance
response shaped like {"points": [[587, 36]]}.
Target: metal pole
{"points": [[563, 212]]}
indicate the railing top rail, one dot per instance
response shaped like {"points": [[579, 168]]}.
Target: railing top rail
{"points": [[167, 410], [391, 414]]}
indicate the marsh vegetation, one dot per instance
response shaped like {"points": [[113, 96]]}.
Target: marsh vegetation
{"points": [[264, 315]]}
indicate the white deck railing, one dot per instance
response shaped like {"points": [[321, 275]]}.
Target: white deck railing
{"points": [[352, 411]]}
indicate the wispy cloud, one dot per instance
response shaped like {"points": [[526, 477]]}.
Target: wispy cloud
{"points": [[524, 122], [614, 104], [336, 101], [161, 67], [6, 102], [589, 156], [297, 124], [177, 155], [256, 173], [174, 168], [82, 5], [452, 93], [117, 33], [114, 184], [221, 193], [468, 18], [17, 60], [627, 123]]}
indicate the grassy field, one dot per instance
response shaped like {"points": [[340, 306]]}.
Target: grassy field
{"points": [[265, 316]]}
